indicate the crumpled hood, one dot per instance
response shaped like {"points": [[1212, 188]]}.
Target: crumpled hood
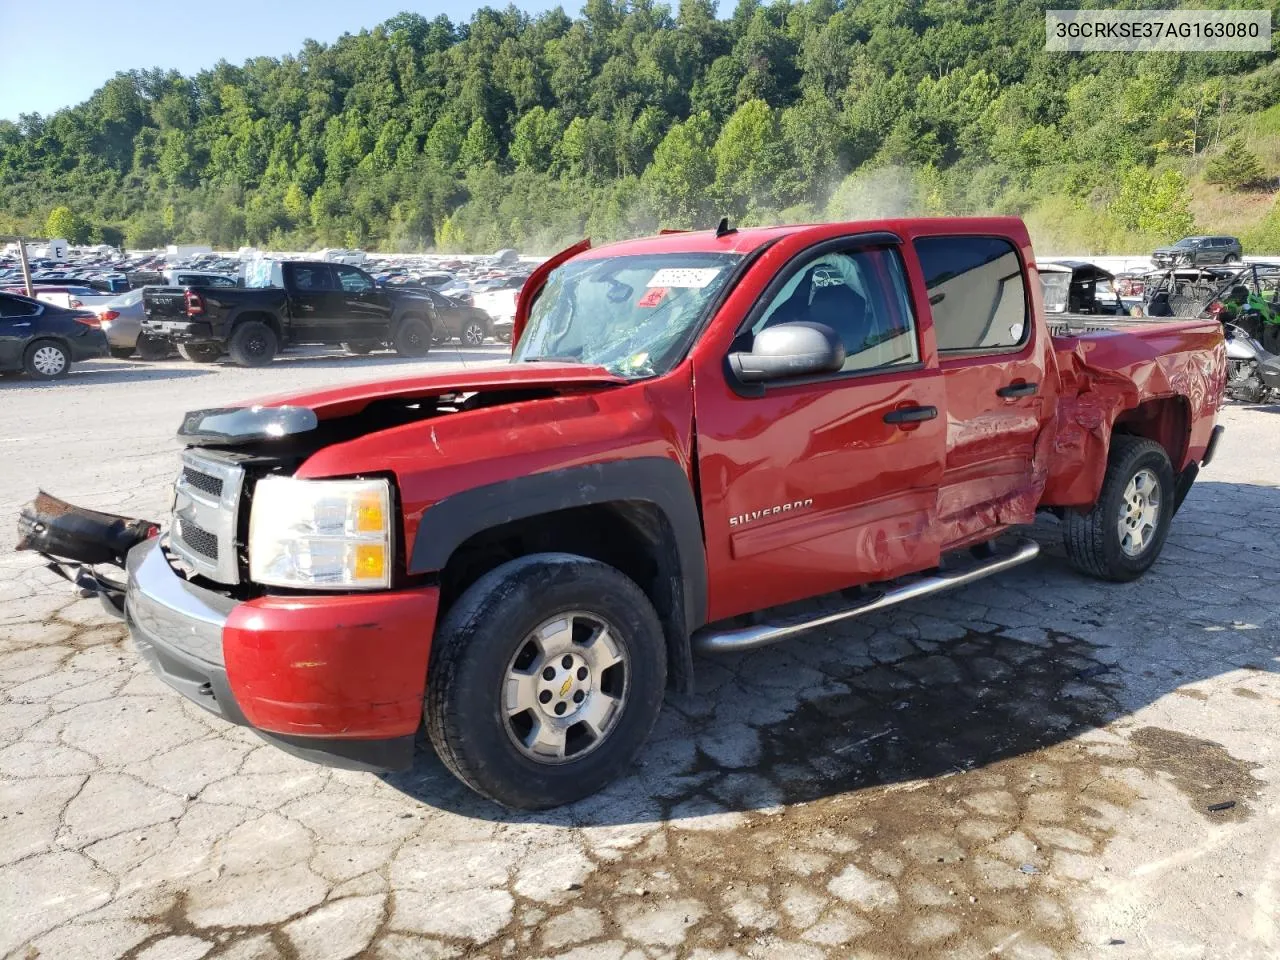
{"points": [[350, 399]]}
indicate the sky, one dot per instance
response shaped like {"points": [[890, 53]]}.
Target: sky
{"points": [[55, 54]]}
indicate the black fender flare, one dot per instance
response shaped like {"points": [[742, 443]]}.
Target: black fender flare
{"points": [[657, 481]]}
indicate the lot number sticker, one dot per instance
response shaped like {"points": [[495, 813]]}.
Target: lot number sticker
{"points": [[691, 277]]}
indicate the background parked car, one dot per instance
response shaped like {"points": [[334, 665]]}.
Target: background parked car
{"points": [[1195, 251], [455, 319], [121, 320], [43, 340]]}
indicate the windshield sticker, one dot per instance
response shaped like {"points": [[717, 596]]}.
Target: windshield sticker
{"points": [[653, 296], [692, 277]]}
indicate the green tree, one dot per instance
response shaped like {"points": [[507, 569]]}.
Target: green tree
{"points": [[679, 180], [1155, 205], [1236, 167], [480, 145], [751, 159], [534, 138], [63, 223]]}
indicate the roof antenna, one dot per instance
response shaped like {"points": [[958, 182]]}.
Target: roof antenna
{"points": [[723, 230]]}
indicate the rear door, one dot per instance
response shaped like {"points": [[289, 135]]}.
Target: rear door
{"points": [[993, 361], [366, 311], [316, 306], [810, 486]]}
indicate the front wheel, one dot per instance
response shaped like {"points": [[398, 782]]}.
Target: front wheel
{"points": [[1121, 536], [546, 677], [199, 352], [253, 344], [46, 360], [413, 337]]}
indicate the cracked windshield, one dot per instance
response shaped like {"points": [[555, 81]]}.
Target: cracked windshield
{"points": [[632, 315]]}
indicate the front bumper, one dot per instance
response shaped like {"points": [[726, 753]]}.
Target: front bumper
{"points": [[336, 679]]}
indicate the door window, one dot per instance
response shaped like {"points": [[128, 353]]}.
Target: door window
{"points": [[975, 291], [15, 307], [353, 281], [862, 296], [312, 278]]}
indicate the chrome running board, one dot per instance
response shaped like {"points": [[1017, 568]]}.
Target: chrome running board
{"points": [[709, 640]]}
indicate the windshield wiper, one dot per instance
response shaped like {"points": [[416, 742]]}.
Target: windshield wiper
{"points": [[551, 360]]}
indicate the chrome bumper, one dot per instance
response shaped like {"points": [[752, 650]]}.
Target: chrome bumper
{"points": [[177, 627]]}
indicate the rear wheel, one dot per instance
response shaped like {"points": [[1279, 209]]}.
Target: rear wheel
{"points": [[1121, 536], [473, 333], [547, 676], [46, 360], [199, 352], [413, 337], [153, 348], [253, 344]]}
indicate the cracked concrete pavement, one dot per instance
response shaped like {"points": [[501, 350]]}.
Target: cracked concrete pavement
{"points": [[1024, 768]]}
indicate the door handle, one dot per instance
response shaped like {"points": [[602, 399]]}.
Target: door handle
{"points": [[1018, 389], [911, 414]]}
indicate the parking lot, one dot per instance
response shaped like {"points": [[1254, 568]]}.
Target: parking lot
{"points": [[1037, 766]]}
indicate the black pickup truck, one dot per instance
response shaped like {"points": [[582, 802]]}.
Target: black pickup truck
{"points": [[299, 301]]}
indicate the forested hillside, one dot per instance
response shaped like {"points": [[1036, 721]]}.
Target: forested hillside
{"points": [[518, 130]]}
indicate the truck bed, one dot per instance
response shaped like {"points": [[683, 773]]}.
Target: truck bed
{"points": [[1109, 365]]}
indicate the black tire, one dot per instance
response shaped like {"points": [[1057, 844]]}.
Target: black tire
{"points": [[200, 352], [360, 348], [1093, 539], [475, 646], [253, 344], [474, 333], [413, 337], [46, 360], [122, 353], [153, 348], [1231, 258]]}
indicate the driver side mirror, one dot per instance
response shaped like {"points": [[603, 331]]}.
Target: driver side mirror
{"points": [[801, 349]]}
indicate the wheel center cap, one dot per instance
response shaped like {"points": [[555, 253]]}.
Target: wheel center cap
{"points": [[563, 686]]}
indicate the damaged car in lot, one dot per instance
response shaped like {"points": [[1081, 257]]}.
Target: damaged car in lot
{"points": [[695, 430]]}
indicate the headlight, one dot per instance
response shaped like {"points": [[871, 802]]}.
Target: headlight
{"points": [[321, 534]]}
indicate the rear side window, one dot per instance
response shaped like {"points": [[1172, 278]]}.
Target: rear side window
{"points": [[312, 278], [14, 307], [975, 291]]}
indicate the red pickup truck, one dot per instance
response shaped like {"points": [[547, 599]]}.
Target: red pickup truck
{"points": [[693, 427]]}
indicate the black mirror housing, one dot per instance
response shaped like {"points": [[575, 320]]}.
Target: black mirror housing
{"points": [[789, 350]]}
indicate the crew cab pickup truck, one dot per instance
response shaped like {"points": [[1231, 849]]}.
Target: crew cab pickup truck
{"points": [[693, 428], [303, 302]]}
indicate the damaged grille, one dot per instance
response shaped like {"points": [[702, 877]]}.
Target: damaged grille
{"points": [[202, 482], [206, 509], [201, 541]]}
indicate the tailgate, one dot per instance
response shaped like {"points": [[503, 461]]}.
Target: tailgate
{"points": [[165, 303]]}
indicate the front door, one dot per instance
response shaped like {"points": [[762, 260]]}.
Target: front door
{"points": [[993, 366], [809, 487]]}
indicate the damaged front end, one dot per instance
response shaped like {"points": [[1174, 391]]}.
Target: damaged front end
{"points": [[74, 541]]}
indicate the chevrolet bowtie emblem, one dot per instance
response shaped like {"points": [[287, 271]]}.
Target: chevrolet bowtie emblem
{"points": [[567, 684]]}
